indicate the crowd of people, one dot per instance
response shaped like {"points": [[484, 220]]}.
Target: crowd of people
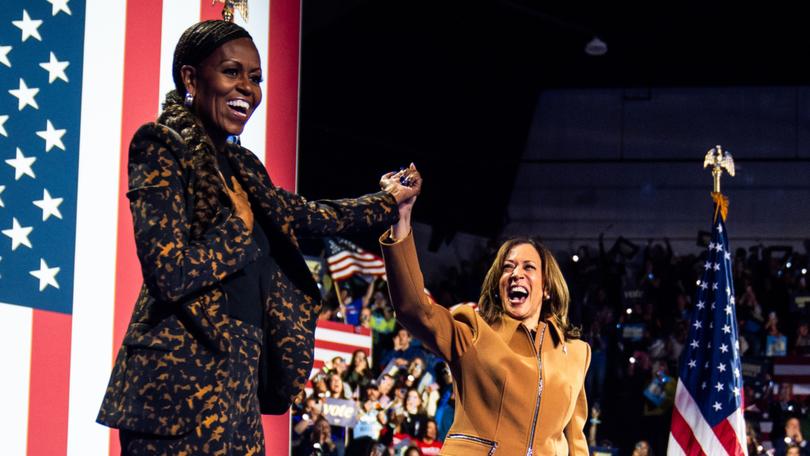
{"points": [[633, 304], [635, 307], [404, 398]]}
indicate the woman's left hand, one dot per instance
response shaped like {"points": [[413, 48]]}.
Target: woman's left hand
{"points": [[404, 194]]}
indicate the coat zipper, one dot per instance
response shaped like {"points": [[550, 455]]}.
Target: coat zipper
{"points": [[529, 452], [493, 445]]}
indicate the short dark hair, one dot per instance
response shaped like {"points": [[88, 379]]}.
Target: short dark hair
{"points": [[198, 42]]}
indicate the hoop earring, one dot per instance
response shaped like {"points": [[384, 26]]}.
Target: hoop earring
{"points": [[189, 100]]}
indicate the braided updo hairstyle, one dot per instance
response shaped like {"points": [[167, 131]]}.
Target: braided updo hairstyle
{"points": [[198, 42]]}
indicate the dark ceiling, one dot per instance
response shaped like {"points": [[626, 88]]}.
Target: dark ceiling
{"points": [[452, 85]]}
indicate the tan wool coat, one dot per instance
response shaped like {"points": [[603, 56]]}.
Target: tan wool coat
{"points": [[514, 395]]}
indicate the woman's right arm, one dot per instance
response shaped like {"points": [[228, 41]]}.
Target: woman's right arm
{"points": [[434, 325], [174, 265]]}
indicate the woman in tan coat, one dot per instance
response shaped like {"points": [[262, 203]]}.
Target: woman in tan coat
{"points": [[518, 365]]}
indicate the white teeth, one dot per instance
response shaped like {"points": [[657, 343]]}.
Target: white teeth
{"points": [[239, 104], [519, 288]]}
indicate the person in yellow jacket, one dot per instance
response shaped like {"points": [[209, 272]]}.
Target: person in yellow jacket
{"points": [[518, 364]]}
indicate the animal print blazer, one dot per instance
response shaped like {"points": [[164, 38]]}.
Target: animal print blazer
{"points": [[172, 363]]}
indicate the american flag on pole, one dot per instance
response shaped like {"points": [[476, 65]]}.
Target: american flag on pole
{"points": [[77, 78], [346, 259], [708, 416]]}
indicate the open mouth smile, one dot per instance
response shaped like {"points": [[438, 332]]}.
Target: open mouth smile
{"points": [[239, 108], [518, 294]]}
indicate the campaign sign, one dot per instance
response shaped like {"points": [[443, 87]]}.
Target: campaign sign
{"points": [[391, 369], [775, 346], [633, 331], [340, 412]]}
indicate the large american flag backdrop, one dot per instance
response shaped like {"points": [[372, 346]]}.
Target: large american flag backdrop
{"points": [[77, 77], [708, 416]]}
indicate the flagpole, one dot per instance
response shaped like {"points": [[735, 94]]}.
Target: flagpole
{"points": [[708, 412], [336, 284]]}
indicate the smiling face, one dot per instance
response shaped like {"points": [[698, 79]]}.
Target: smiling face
{"points": [[431, 431], [386, 384], [402, 340], [226, 88], [792, 427], [335, 385], [323, 426], [373, 393], [412, 401], [521, 284], [313, 407], [359, 359], [417, 367], [339, 365]]}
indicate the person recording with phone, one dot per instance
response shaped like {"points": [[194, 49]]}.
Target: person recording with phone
{"points": [[793, 440]]}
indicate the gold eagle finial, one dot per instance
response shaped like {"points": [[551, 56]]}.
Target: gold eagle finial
{"points": [[230, 5], [718, 160]]}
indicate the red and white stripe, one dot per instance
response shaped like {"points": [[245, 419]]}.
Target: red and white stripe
{"points": [[346, 264], [691, 435], [334, 339], [57, 366], [792, 369]]}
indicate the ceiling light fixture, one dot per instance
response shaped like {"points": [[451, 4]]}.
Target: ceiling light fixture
{"points": [[596, 47]]}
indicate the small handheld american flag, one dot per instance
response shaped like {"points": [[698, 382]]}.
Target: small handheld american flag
{"points": [[346, 259]]}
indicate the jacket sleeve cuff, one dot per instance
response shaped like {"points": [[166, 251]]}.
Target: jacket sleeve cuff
{"points": [[388, 239]]}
